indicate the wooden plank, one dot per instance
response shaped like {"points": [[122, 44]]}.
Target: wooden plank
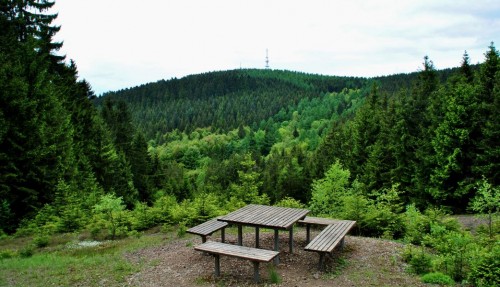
{"points": [[253, 254], [297, 215], [318, 220], [325, 239], [330, 237], [265, 216], [239, 214], [207, 228]]}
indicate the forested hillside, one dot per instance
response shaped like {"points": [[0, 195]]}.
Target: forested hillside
{"points": [[222, 100]]}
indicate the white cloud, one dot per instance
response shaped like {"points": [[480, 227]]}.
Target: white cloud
{"points": [[118, 44]]}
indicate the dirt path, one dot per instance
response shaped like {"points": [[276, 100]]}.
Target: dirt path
{"points": [[363, 262]]}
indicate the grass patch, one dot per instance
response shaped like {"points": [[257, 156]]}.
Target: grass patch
{"points": [[72, 264], [274, 276]]}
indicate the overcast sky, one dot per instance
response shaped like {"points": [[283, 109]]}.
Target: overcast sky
{"points": [[120, 44]]}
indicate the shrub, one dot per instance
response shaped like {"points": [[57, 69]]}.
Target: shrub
{"points": [[181, 232], [485, 270], [5, 254], [41, 240], [290, 202], [420, 262], [26, 252], [416, 225], [437, 278], [143, 217]]}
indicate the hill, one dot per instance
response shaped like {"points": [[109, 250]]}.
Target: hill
{"points": [[223, 100]]}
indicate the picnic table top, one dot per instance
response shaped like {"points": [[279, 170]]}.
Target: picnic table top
{"points": [[274, 217]]}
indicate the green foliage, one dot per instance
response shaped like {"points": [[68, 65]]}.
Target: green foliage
{"points": [[485, 269], [487, 201], [247, 190], [7, 253], [420, 262], [41, 240], [290, 202], [437, 278], [110, 212], [181, 230], [274, 276], [328, 191], [26, 251], [455, 249]]}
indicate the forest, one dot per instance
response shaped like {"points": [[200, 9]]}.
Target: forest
{"points": [[379, 150]]}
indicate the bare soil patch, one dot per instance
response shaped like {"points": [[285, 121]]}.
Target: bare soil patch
{"points": [[363, 262]]}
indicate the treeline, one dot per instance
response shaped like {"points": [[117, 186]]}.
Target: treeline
{"points": [[222, 100], [434, 140], [56, 150]]}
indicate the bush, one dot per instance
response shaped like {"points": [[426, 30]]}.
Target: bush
{"points": [[486, 269], [421, 262], [437, 278], [5, 254], [290, 202], [26, 252], [41, 240], [181, 232]]}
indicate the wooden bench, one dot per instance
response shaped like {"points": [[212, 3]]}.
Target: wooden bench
{"points": [[309, 220], [253, 254], [329, 238], [207, 228]]}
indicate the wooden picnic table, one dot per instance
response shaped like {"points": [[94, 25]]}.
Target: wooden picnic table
{"points": [[263, 216]]}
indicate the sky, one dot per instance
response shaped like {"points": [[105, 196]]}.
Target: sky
{"points": [[118, 44]]}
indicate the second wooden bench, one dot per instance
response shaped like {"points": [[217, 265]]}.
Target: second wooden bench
{"points": [[309, 220], [253, 254], [329, 238], [207, 228]]}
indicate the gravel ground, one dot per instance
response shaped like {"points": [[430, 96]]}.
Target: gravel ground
{"points": [[363, 262]]}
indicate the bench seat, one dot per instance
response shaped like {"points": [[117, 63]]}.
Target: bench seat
{"points": [[329, 238], [310, 220], [207, 228], [318, 220], [255, 255]]}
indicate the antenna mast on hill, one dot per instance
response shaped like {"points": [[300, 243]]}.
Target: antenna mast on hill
{"points": [[267, 60]]}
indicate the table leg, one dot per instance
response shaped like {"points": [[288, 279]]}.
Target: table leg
{"points": [[276, 246], [290, 238], [223, 235], [256, 237], [240, 235]]}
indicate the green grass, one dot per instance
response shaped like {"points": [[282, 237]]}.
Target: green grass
{"points": [[67, 266]]}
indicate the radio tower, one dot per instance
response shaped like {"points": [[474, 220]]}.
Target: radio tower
{"points": [[267, 60]]}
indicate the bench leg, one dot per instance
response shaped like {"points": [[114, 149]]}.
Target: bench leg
{"points": [[240, 235], [308, 233], [256, 276], [217, 265], [342, 244], [256, 237], [276, 246], [223, 235], [290, 240], [321, 261]]}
